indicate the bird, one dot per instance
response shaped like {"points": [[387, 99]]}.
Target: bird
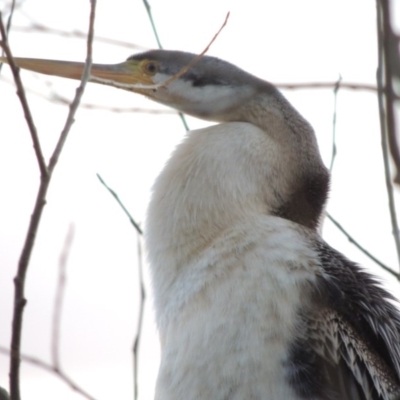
{"points": [[251, 302]]}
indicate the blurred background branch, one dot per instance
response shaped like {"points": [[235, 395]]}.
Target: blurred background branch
{"points": [[386, 74]]}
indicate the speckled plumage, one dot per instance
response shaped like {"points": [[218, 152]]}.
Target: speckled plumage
{"points": [[353, 330]]}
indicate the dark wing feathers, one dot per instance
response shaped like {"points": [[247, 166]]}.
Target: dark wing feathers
{"points": [[353, 326]]}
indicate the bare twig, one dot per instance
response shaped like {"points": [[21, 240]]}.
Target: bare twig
{"points": [[19, 280], [9, 21], [50, 368], [335, 95], [23, 100], [326, 85], [171, 79], [8, 26], [62, 100], [39, 28], [55, 97], [382, 91], [57, 312], [391, 63], [136, 342], [46, 173], [168, 81], [196, 59], [361, 248], [186, 67], [133, 222], [129, 110], [79, 92], [150, 15]]}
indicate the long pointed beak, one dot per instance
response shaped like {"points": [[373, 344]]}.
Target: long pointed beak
{"points": [[127, 75]]}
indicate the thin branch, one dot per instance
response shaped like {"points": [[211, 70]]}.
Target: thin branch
{"points": [[330, 85], [54, 97], [133, 222], [171, 79], [8, 26], [23, 100], [326, 85], [79, 92], [19, 297], [150, 15], [9, 21], [156, 86], [136, 342], [334, 148], [196, 59], [50, 368], [382, 91], [391, 62], [153, 26], [129, 110], [39, 28], [19, 280], [57, 312], [184, 122], [361, 248]]}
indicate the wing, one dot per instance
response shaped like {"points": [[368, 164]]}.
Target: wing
{"points": [[352, 333]]}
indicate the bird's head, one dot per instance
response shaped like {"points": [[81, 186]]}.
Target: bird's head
{"points": [[205, 87]]}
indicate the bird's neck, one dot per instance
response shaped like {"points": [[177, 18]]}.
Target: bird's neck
{"points": [[301, 180]]}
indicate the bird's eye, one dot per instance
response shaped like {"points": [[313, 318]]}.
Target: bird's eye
{"points": [[151, 67]]}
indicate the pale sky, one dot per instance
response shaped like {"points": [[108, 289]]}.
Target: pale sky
{"points": [[281, 41]]}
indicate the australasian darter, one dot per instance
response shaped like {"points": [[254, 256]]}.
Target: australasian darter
{"points": [[251, 303]]}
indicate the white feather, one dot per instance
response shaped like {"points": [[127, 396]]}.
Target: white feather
{"points": [[227, 277]]}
